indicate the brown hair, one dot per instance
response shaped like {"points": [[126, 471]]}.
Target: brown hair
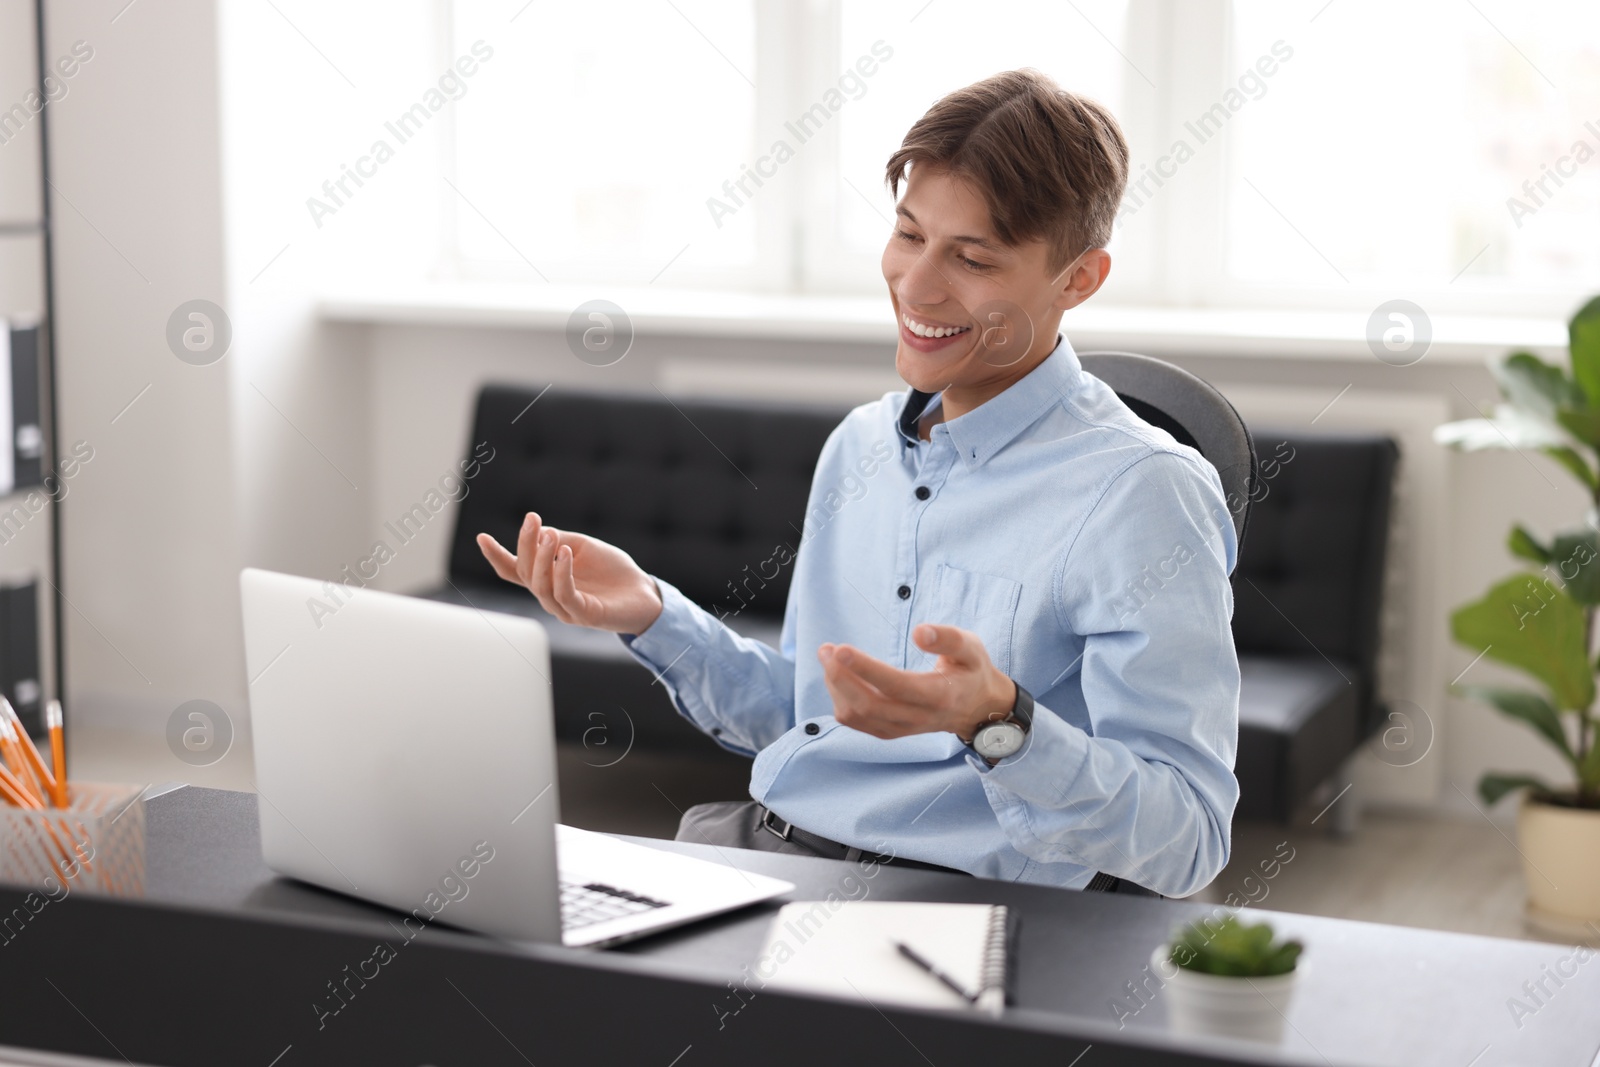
{"points": [[1050, 164]]}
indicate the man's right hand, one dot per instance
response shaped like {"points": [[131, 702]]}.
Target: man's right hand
{"points": [[578, 579]]}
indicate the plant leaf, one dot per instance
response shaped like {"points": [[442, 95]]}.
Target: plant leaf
{"points": [[1491, 787], [1509, 428], [1575, 464], [1582, 423], [1527, 622], [1283, 959], [1577, 562], [1524, 544], [1531, 708], [1231, 948], [1583, 337], [1589, 769], [1536, 386]]}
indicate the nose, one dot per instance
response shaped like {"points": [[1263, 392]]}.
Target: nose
{"points": [[921, 285]]}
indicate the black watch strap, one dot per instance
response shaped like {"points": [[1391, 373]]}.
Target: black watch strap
{"points": [[1022, 710]]}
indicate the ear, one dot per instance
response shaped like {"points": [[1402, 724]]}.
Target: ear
{"points": [[1082, 278]]}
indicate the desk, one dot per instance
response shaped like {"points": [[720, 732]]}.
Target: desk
{"points": [[222, 962]]}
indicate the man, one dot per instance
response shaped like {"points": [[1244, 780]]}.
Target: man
{"points": [[1011, 655]]}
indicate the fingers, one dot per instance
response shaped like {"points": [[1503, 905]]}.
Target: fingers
{"points": [[503, 562], [951, 642], [527, 541], [544, 556], [564, 589], [533, 564], [859, 705], [896, 684]]}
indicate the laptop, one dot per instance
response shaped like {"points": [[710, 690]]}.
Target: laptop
{"points": [[405, 755]]}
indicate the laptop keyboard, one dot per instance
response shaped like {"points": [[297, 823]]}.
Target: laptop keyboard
{"points": [[595, 902]]}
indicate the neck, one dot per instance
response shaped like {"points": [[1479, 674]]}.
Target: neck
{"points": [[956, 400]]}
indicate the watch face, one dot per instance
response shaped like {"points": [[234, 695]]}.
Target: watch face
{"points": [[998, 740]]}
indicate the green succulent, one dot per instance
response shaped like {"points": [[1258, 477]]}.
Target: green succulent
{"points": [[1542, 622], [1233, 949]]}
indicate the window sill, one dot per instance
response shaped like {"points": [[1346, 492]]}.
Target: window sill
{"points": [[1319, 335]]}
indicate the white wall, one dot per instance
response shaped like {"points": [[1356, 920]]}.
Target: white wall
{"points": [[299, 109], [150, 536]]}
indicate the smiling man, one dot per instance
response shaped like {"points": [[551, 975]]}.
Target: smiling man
{"points": [[1011, 656]]}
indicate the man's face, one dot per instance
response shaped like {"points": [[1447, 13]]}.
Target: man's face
{"points": [[948, 271]]}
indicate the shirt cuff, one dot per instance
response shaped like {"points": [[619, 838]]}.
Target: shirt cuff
{"points": [[675, 631], [1042, 770]]}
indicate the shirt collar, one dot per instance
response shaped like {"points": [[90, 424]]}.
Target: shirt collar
{"points": [[992, 425]]}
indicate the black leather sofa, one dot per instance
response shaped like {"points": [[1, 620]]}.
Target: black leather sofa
{"points": [[1307, 604], [703, 494]]}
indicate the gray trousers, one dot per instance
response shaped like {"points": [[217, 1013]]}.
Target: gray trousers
{"points": [[737, 824]]}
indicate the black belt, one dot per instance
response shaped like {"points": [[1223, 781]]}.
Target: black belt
{"points": [[784, 830]]}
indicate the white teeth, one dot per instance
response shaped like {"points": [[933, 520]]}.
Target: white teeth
{"points": [[922, 330]]}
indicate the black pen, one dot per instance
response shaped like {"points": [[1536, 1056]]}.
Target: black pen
{"points": [[927, 965]]}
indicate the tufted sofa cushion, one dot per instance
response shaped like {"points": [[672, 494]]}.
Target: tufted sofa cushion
{"points": [[1309, 580], [695, 492]]}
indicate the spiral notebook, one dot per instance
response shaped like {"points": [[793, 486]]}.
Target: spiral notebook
{"points": [[852, 949]]}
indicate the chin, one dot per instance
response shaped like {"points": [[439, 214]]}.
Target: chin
{"points": [[913, 370], [927, 372]]}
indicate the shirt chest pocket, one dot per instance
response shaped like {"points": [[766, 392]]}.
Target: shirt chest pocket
{"points": [[985, 604]]}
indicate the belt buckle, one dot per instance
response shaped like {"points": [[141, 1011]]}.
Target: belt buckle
{"points": [[767, 815]]}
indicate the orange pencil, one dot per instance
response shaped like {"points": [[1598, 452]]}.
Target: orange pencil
{"points": [[58, 748], [14, 791], [18, 762], [30, 752]]}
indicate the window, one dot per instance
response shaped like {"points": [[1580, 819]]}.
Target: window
{"points": [[1292, 154], [939, 48], [1424, 146], [587, 148]]}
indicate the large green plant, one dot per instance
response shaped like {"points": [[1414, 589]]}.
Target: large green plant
{"points": [[1542, 621]]}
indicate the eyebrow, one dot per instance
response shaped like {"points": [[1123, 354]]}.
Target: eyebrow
{"points": [[981, 242]]}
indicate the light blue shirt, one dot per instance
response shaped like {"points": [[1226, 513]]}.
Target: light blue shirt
{"points": [[1088, 550]]}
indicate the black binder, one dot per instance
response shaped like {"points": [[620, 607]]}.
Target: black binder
{"points": [[27, 437], [19, 652]]}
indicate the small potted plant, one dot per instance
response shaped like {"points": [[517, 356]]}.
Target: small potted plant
{"points": [[1227, 978], [1541, 621]]}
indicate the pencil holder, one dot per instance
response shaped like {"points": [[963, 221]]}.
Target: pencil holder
{"points": [[96, 843]]}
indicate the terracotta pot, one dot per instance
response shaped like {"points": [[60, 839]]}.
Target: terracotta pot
{"points": [[1561, 865], [1199, 1003]]}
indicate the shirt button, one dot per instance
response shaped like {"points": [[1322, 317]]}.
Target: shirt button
{"points": [[812, 728], [922, 492], [904, 592], [716, 731]]}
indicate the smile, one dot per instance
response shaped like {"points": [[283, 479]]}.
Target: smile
{"points": [[923, 329]]}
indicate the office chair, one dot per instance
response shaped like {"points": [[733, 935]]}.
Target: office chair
{"points": [[1193, 412]]}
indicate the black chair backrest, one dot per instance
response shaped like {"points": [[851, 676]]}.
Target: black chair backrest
{"points": [[1192, 411], [704, 494]]}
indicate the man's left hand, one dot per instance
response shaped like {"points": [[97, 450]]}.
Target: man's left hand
{"points": [[962, 692]]}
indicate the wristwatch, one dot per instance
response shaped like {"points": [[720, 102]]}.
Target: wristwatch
{"points": [[994, 741]]}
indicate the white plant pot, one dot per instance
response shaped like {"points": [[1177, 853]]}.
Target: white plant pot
{"points": [[1561, 865], [1249, 1008]]}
